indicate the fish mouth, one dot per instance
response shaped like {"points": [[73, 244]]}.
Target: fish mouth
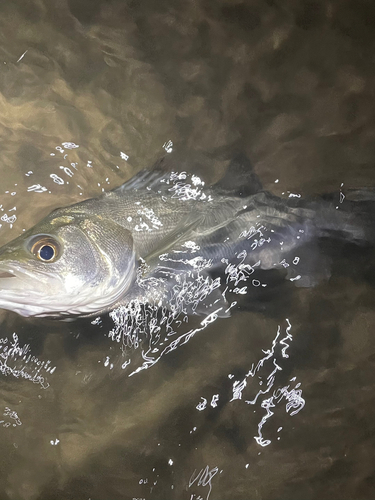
{"points": [[14, 277], [6, 274], [20, 290], [31, 292]]}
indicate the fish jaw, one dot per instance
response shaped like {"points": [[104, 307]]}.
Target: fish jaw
{"points": [[35, 294], [24, 292]]}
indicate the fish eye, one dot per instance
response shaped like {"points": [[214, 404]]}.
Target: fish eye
{"points": [[45, 249], [47, 252]]}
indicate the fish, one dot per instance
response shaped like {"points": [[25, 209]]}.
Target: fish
{"points": [[165, 228]]}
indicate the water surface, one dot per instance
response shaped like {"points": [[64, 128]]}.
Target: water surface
{"points": [[275, 402]]}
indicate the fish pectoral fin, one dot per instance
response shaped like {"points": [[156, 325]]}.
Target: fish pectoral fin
{"points": [[214, 304], [182, 232], [180, 294], [187, 292]]}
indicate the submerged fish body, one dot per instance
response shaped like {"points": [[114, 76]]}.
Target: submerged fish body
{"points": [[90, 257]]}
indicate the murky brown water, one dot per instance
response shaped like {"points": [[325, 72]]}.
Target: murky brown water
{"points": [[291, 85]]}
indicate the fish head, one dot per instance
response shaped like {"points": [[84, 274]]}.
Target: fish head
{"points": [[67, 265]]}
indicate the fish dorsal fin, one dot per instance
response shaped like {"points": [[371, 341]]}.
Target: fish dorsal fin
{"points": [[183, 231], [157, 178], [240, 178]]}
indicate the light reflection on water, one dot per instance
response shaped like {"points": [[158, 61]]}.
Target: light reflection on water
{"points": [[141, 336], [210, 417]]}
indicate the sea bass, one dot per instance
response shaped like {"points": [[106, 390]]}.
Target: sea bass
{"points": [[92, 256]]}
